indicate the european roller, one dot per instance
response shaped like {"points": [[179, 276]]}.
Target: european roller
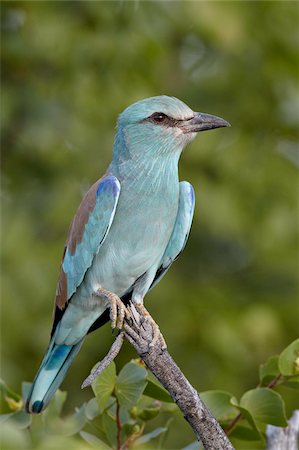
{"points": [[129, 228]]}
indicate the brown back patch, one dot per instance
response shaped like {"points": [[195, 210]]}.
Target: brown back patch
{"points": [[75, 236], [81, 218]]}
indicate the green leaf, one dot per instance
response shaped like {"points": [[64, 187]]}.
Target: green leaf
{"points": [[124, 415], [149, 413], [171, 408], [92, 409], [164, 436], [13, 438], [219, 403], [130, 384], [110, 429], [244, 433], [56, 404], [265, 405], [104, 384], [53, 423], [269, 369], [157, 392], [153, 434], [75, 423], [249, 418], [94, 441], [289, 359], [21, 419], [292, 382], [131, 430]]}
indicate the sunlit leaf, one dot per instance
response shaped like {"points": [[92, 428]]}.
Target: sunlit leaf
{"points": [[289, 359], [130, 384], [104, 384], [265, 406]]}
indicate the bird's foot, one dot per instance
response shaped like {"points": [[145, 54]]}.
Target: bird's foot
{"points": [[118, 311], [141, 317]]}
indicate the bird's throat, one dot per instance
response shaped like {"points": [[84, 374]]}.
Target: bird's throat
{"points": [[143, 167]]}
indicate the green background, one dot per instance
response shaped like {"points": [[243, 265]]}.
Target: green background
{"points": [[68, 70]]}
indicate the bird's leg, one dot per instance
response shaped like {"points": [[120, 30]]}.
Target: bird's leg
{"points": [[118, 311], [143, 312]]}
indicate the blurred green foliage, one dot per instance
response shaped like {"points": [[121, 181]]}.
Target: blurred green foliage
{"points": [[128, 409], [68, 70], [117, 415]]}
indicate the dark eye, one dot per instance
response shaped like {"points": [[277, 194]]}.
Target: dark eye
{"points": [[158, 117]]}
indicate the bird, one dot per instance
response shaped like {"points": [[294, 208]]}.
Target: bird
{"points": [[129, 228]]}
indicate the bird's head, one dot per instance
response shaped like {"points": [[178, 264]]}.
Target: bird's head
{"points": [[163, 125]]}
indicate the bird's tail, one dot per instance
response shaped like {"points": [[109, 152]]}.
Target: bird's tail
{"points": [[50, 374]]}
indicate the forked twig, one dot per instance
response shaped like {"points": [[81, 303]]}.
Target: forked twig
{"points": [[111, 355]]}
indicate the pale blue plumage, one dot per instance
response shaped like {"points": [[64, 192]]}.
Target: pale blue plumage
{"points": [[51, 373], [129, 228], [180, 232]]}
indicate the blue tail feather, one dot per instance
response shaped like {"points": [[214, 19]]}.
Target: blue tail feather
{"points": [[50, 375]]}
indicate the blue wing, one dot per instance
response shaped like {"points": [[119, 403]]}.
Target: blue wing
{"points": [[180, 232], [87, 233]]}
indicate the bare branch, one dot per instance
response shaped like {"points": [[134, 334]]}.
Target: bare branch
{"points": [[111, 355]]}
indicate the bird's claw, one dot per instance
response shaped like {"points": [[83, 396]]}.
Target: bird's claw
{"points": [[157, 335], [118, 311]]}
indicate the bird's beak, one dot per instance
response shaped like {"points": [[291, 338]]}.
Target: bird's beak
{"points": [[202, 122]]}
